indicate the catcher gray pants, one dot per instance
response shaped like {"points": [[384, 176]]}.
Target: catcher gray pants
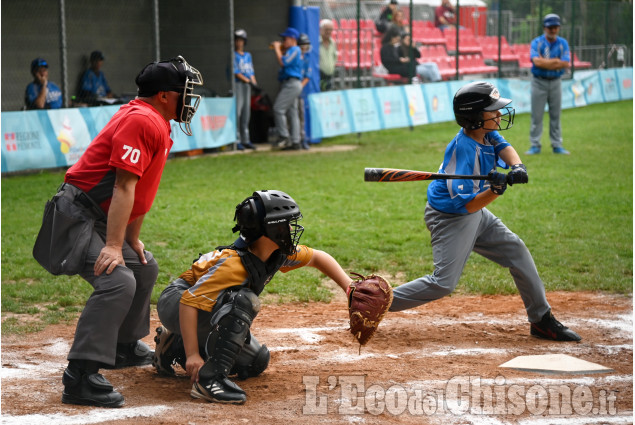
{"points": [[545, 92], [243, 112], [118, 310], [168, 310], [454, 237], [286, 105]]}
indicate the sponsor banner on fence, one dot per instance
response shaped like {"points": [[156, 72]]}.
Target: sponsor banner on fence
{"points": [[57, 138], [364, 110], [410, 105]]}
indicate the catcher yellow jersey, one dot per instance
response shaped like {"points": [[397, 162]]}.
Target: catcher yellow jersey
{"points": [[218, 270]]}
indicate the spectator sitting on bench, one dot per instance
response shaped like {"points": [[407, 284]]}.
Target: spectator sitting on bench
{"points": [[426, 71], [389, 53]]}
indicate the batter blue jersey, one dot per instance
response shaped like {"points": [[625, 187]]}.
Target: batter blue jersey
{"points": [[53, 96], [243, 64], [542, 48], [292, 64], [467, 157]]}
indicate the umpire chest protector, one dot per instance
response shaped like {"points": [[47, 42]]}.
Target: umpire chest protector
{"points": [[259, 273]]}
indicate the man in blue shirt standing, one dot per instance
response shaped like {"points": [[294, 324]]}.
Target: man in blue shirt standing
{"points": [[289, 57], [550, 58], [42, 93]]}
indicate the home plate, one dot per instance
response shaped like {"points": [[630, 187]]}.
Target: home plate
{"points": [[554, 363]]}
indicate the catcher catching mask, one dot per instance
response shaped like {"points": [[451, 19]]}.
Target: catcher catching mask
{"points": [[173, 75], [270, 213]]}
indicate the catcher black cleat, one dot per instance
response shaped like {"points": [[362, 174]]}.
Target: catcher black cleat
{"points": [[168, 352], [132, 354], [218, 390], [89, 389], [550, 328]]}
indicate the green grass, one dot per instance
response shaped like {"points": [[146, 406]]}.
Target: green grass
{"points": [[575, 215]]}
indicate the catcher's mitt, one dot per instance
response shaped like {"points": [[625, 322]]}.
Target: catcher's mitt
{"points": [[369, 298]]}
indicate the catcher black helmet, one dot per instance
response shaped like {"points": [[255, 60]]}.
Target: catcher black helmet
{"points": [[270, 213], [471, 100]]}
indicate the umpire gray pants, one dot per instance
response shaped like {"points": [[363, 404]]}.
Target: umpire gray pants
{"points": [[243, 112], [546, 92], [453, 238], [286, 104], [118, 310]]}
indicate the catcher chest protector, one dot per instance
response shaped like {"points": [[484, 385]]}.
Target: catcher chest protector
{"points": [[230, 329]]}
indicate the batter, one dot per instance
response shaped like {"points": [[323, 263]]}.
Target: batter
{"points": [[459, 221]]}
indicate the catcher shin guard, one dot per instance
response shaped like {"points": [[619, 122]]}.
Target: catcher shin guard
{"points": [[230, 330], [252, 360]]}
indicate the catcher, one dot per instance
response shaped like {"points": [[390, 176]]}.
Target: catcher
{"points": [[207, 312]]}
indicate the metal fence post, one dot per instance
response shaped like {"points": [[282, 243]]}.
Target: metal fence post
{"points": [[157, 42], [63, 53]]}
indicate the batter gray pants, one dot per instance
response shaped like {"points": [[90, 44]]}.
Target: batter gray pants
{"points": [[453, 238], [287, 103], [546, 92], [118, 310], [243, 112]]}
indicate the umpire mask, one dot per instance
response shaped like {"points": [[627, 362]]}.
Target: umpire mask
{"points": [[173, 75]]}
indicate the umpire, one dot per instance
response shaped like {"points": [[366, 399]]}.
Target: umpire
{"points": [[550, 58], [91, 227]]}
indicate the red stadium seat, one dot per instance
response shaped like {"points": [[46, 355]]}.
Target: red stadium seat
{"points": [[577, 63]]}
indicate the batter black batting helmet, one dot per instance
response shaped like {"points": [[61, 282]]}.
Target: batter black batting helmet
{"points": [[173, 75], [269, 213], [471, 100]]}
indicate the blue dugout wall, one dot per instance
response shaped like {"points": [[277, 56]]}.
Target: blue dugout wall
{"points": [[57, 138]]}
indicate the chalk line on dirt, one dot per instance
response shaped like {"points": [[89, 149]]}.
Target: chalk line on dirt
{"points": [[93, 416]]}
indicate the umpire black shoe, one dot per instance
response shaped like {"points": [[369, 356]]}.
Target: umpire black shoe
{"points": [[218, 390], [550, 328], [89, 389], [132, 354]]}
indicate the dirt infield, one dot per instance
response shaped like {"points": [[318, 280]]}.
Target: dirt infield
{"points": [[436, 364]]}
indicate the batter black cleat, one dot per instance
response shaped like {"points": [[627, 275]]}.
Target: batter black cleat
{"points": [[132, 354], [89, 389], [218, 390], [550, 328], [168, 352]]}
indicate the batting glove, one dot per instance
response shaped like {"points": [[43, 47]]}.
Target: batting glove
{"points": [[518, 174], [498, 182]]}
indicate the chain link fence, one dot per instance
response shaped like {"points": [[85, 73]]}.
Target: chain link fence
{"points": [[600, 33], [129, 33]]}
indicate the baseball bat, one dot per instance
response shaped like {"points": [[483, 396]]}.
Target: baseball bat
{"points": [[398, 175]]}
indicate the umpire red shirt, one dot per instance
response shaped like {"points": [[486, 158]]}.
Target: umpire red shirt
{"points": [[136, 139]]}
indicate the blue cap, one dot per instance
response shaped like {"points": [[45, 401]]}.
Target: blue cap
{"points": [[551, 20], [290, 32], [37, 63]]}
